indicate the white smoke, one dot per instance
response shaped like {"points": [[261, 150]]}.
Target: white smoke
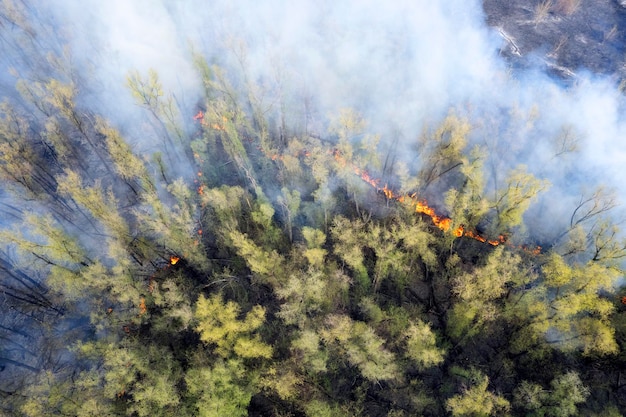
{"points": [[401, 64]]}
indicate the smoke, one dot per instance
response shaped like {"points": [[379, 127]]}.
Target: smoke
{"points": [[401, 64]]}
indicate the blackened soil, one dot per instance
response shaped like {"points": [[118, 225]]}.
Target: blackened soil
{"points": [[567, 36]]}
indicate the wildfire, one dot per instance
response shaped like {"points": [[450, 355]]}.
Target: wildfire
{"points": [[200, 118], [142, 306], [174, 260], [421, 206]]}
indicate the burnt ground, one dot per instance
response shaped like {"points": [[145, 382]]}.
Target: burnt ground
{"points": [[566, 36]]}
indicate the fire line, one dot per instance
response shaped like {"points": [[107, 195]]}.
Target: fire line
{"points": [[421, 206]]}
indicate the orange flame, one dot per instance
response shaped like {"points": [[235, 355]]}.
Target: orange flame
{"points": [[142, 306], [422, 207], [200, 117], [174, 260]]}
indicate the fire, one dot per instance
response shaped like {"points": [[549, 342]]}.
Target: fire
{"points": [[421, 206], [200, 118], [174, 260], [142, 306]]}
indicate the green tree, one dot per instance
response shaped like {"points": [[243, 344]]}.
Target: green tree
{"points": [[566, 391], [568, 308], [314, 252], [362, 347], [421, 345], [512, 200], [218, 325], [477, 401], [442, 151], [148, 92], [290, 202], [479, 290], [220, 390]]}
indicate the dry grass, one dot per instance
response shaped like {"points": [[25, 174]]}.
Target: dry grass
{"points": [[541, 10], [567, 7], [611, 34], [557, 48]]}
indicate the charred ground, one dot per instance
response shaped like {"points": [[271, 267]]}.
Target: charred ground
{"points": [[565, 36]]}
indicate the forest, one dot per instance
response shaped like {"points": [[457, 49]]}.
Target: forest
{"points": [[253, 267]]}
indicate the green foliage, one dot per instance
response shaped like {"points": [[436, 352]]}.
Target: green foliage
{"points": [[569, 303], [561, 400], [422, 346], [127, 165], [218, 325], [305, 294], [148, 92], [318, 408], [467, 204], [349, 246], [277, 273], [479, 290], [219, 391], [513, 199], [308, 347], [174, 227], [314, 241], [362, 347], [101, 204], [477, 401]]}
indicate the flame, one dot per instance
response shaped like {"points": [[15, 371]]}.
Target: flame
{"points": [[200, 117], [174, 260], [421, 206], [142, 306]]}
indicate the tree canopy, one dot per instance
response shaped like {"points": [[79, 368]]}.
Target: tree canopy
{"points": [[279, 274]]}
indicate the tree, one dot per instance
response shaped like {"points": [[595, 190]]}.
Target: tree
{"points": [[477, 401], [218, 325], [421, 345], [567, 308], [220, 390], [362, 347], [305, 294], [290, 202], [479, 290], [148, 92], [349, 246], [128, 166], [308, 347], [176, 227], [567, 390], [511, 202], [314, 240], [466, 204], [442, 152]]}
